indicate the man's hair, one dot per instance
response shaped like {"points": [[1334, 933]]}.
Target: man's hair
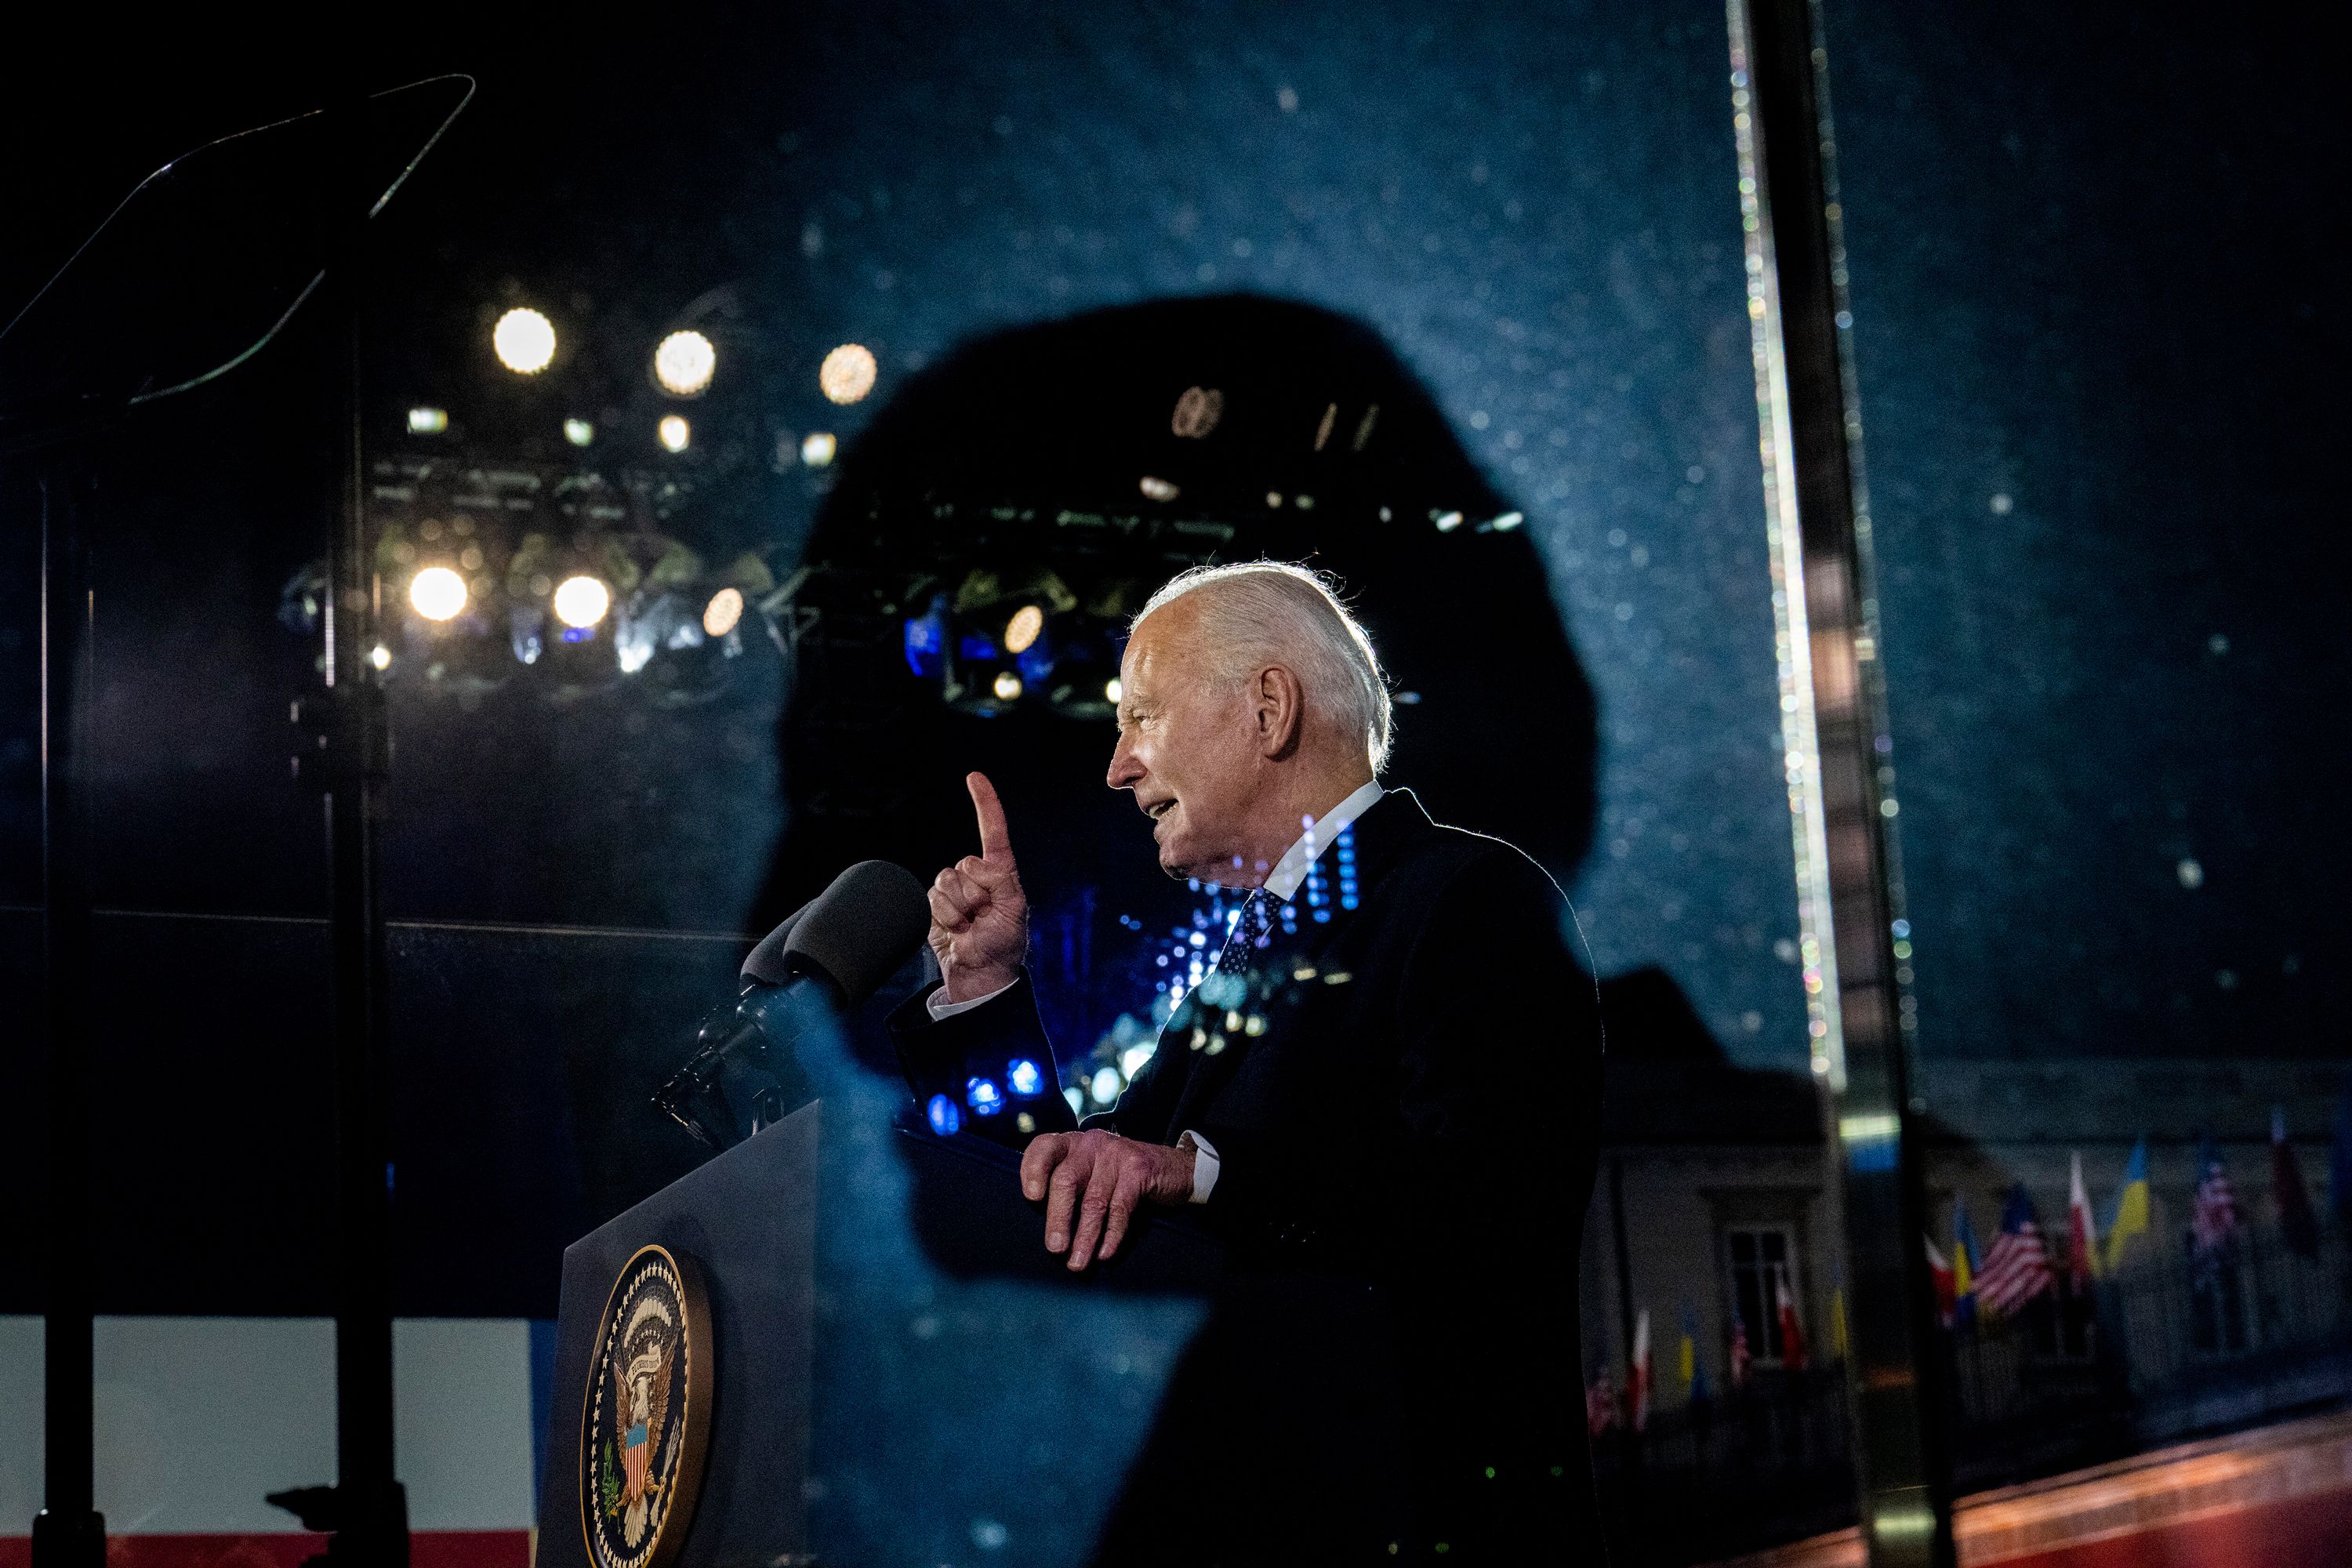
{"points": [[1262, 613]]}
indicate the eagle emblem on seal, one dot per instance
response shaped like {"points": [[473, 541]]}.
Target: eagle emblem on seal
{"points": [[648, 1411]]}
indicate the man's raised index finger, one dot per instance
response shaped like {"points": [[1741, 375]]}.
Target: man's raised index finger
{"points": [[995, 838]]}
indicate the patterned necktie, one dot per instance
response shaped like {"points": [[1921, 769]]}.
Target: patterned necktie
{"points": [[1249, 929]]}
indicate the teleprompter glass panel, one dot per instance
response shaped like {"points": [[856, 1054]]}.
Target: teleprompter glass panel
{"points": [[663, 653]]}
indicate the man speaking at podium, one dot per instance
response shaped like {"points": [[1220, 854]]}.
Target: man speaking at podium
{"points": [[1388, 1112]]}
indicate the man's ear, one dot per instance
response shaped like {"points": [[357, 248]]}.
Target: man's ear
{"points": [[1280, 704]]}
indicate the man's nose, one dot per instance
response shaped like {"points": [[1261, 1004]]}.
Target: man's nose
{"points": [[1125, 772]]}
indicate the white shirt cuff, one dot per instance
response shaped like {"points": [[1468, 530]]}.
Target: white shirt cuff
{"points": [[1205, 1165], [940, 1007]]}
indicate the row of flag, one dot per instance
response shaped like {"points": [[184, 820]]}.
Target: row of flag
{"points": [[2018, 1267], [1601, 1403]]}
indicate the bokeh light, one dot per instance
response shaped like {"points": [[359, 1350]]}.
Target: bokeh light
{"points": [[818, 448], [1113, 689], [675, 433], [380, 657], [578, 432], [684, 364], [427, 421], [525, 340], [1025, 1078], [438, 593], [1008, 685], [725, 610], [1023, 628], [847, 373], [581, 601]]}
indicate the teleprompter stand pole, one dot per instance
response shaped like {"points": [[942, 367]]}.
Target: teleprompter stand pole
{"points": [[371, 1523], [1840, 777], [347, 756], [69, 1531]]}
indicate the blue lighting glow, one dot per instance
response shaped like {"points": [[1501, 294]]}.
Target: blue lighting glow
{"points": [[979, 649], [945, 1117], [984, 1097], [1025, 1078], [925, 640]]}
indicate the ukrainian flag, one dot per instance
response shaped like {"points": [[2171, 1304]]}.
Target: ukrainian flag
{"points": [[2131, 1206]]}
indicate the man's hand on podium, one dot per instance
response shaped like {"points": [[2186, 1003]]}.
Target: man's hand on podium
{"points": [[1099, 1177], [980, 917]]}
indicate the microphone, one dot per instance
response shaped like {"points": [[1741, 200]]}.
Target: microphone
{"points": [[828, 955]]}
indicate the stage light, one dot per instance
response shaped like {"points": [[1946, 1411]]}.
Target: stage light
{"points": [[525, 340], [725, 609], [1156, 488], [1105, 1086], [427, 421], [1131, 1060], [581, 601], [1078, 1099], [1008, 687], [1447, 522], [684, 364], [944, 1116], [818, 447], [675, 433], [380, 657], [1025, 1078], [982, 1095], [847, 373], [1023, 628], [1114, 690], [1509, 521], [578, 432], [437, 593]]}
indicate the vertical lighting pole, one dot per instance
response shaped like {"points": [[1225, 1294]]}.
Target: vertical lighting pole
{"points": [[1840, 775], [69, 1531], [371, 1516]]}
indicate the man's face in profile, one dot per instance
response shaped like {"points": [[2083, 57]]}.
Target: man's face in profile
{"points": [[1188, 748]]}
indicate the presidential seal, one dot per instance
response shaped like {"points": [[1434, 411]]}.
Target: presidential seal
{"points": [[647, 1415]]}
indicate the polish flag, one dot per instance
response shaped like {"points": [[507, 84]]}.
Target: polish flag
{"points": [[1939, 1270], [1792, 1337], [2082, 1232]]}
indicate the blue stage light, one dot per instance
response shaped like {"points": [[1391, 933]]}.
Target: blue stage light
{"points": [[925, 640], [977, 649], [945, 1117], [1025, 1078], [984, 1097]]}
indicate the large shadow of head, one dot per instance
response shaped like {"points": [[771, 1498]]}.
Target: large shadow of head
{"points": [[1109, 451]]}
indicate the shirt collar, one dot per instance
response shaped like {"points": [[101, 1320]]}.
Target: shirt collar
{"points": [[1290, 871]]}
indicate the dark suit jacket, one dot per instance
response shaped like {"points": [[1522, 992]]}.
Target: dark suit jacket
{"points": [[1407, 1143]]}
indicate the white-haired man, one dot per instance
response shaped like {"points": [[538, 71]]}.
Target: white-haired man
{"points": [[1386, 1105]]}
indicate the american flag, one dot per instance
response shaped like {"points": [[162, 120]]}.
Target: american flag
{"points": [[2215, 1218], [2017, 1264]]}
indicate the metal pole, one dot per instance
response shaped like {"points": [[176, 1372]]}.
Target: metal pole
{"points": [[1856, 946], [69, 1531], [371, 1513]]}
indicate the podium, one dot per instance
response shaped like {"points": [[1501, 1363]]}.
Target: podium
{"points": [[746, 1224]]}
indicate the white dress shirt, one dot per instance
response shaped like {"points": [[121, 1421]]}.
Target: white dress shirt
{"points": [[1288, 875]]}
